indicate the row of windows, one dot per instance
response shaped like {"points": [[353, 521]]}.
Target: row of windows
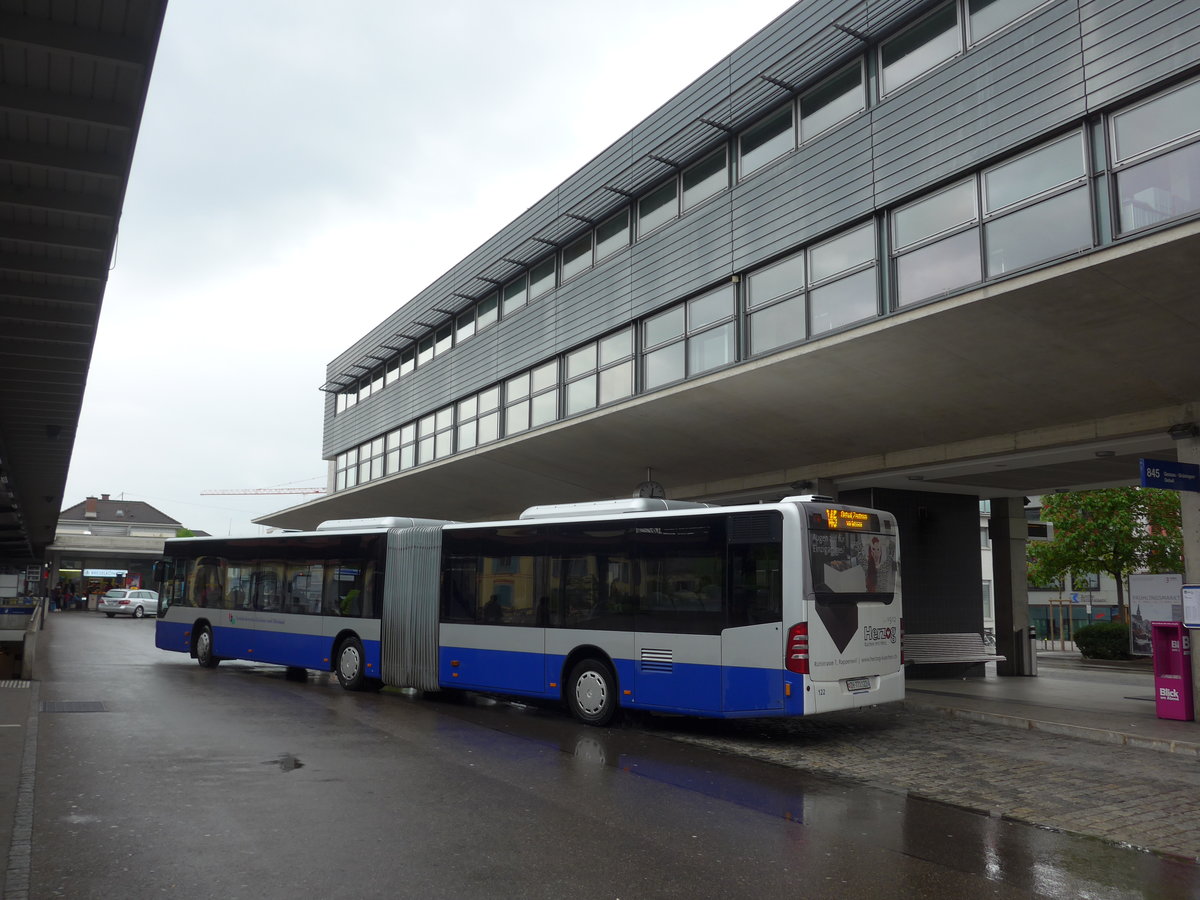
{"points": [[1019, 213], [910, 54]]}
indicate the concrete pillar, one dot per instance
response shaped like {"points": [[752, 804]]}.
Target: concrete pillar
{"points": [[1187, 450], [1009, 531]]}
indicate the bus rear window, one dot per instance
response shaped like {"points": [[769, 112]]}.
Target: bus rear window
{"points": [[846, 562]]}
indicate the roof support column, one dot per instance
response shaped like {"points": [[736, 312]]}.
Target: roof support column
{"points": [[1009, 531]]}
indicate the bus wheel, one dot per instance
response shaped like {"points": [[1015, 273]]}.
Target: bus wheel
{"points": [[351, 665], [204, 649], [592, 692]]}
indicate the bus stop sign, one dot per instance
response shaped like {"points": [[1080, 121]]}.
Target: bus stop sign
{"points": [[1169, 474]]}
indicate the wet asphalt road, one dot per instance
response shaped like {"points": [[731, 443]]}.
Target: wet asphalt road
{"points": [[157, 778]]}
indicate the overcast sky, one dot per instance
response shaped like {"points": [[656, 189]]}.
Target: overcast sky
{"points": [[300, 173]]}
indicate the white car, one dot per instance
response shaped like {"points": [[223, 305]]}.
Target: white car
{"points": [[123, 602]]}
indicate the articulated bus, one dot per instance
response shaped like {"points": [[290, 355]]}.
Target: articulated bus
{"points": [[778, 609]]}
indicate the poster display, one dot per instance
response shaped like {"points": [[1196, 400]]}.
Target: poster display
{"points": [[1152, 598]]}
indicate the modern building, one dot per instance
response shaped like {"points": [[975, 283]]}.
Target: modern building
{"points": [[916, 254], [102, 543]]}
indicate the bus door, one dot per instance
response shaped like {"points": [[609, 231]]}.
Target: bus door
{"points": [[752, 676], [853, 601]]}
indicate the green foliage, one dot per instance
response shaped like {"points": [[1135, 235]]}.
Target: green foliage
{"points": [[185, 532], [1117, 531], [1103, 640]]}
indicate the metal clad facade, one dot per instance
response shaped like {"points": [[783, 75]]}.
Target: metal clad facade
{"points": [[409, 639], [1034, 78]]}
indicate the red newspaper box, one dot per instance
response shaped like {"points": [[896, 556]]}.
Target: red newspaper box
{"points": [[1172, 670]]}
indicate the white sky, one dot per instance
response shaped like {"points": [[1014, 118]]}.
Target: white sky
{"points": [[300, 174]]}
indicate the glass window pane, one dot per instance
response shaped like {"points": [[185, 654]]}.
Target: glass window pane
{"points": [[544, 376], [1034, 173], [541, 278], [785, 277], [425, 449], [486, 312], [393, 462], [408, 359], [581, 395], [842, 302], [911, 54], [658, 207], [708, 177], [393, 371], [489, 399], [544, 409], [581, 361], [425, 350], [514, 296], [617, 382], [427, 426], [710, 308], [664, 326], [987, 16], [464, 325], [616, 346], [444, 339], [835, 100], [841, 253], [712, 349], [1157, 122], [445, 417], [1053, 228], [364, 472], [935, 214], [762, 143], [489, 427], [408, 433], [408, 456], [577, 257], [1160, 189], [466, 436], [468, 408], [516, 418], [664, 366], [445, 444], [393, 439], [777, 326], [939, 267], [516, 388], [612, 235]]}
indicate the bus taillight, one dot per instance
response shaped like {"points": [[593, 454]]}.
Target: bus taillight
{"points": [[797, 649]]}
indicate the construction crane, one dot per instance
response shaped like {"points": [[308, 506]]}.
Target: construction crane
{"points": [[308, 490]]}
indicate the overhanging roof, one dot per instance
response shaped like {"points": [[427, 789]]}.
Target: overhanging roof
{"points": [[72, 89]]}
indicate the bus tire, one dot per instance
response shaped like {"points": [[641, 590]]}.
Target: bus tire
{"points": [[295, 673], [204, 649], [351, 665], [592, 692]]}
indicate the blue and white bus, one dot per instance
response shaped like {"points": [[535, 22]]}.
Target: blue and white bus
{"points": [[779, 609]]}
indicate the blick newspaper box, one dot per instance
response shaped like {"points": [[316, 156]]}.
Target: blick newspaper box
{"points": [[1172, 670]]}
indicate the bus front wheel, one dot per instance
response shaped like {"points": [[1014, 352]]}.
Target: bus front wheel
{"points": [[351, 665], [592, 692], [204, 649]]}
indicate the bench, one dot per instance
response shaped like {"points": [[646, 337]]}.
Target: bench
{"points": [[933, 649]]}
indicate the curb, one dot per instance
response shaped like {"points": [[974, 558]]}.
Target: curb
{"points": [[1096, 735]]}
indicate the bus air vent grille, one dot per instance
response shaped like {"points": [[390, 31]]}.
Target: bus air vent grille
{"points": [[657, 660]]}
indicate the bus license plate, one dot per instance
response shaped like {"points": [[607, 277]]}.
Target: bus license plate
{"points": [[854, 685]]}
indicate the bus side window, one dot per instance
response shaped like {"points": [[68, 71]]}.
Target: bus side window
{"points": [[757, 584]]}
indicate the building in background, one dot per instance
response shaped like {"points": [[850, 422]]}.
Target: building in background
{"points": [[103, 543]]}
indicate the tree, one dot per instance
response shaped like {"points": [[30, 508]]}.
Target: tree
{"points": [[184, 532], [1116, 531]]}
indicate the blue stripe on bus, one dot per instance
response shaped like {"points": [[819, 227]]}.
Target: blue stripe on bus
{"points": [[688, 688], [308, 651]]}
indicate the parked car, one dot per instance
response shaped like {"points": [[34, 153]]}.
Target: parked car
{"points": [[123, 602]]}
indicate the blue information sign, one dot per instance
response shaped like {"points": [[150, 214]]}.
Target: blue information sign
{"points": [[1169, 474]]}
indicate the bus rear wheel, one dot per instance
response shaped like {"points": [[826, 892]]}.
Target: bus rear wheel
{"points": [[204, 649], [592, 692], [351, 665]]}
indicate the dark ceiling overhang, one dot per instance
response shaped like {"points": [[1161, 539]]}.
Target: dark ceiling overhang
{"points": [[72, 90]]}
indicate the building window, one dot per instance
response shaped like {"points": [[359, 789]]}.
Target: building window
{"points": [[515, 294], [689, 339], [541, 278], [464, 325], [986, 17], [408, 359], [985, 538], [543, 401], [612, 235], [392, 450], [393, 371], [919, 49], [479, 419], [989, 611], [1037, 207], [598, 373], [346, 467], [1157, 158], [832, 102], [842, 280], [936, 243], [577, 257], [408, 446], [706, 178], [767, 140], [486, 312], [658, 207], [425, 350], [443, 338], [435, 435], [1089, 582]]}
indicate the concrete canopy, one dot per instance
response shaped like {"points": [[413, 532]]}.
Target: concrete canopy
{"points": [[72, 90], [1059, 378]]}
